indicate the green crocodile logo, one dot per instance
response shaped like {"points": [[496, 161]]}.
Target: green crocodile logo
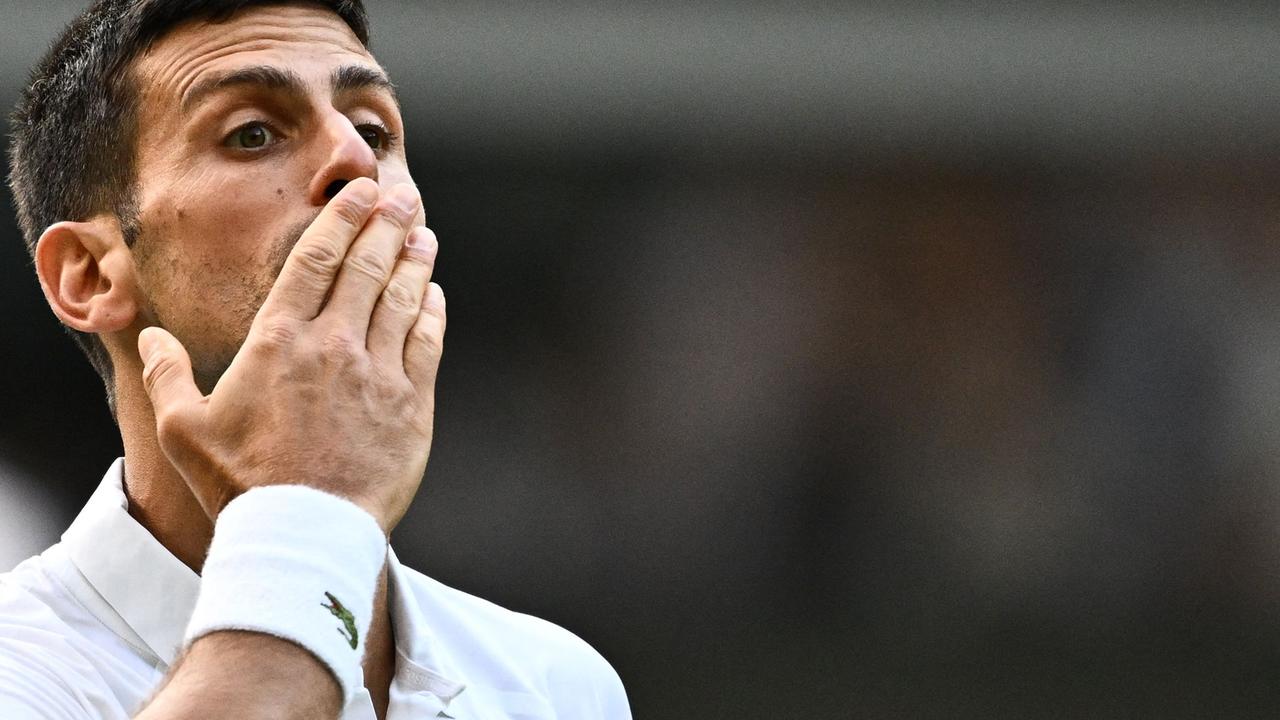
{"points": [[352, 635]]}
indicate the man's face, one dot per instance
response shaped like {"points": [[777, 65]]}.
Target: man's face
{"points": [[245, 130]]}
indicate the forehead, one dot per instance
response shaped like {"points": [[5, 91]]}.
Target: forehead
{"points": [[307, 39]]}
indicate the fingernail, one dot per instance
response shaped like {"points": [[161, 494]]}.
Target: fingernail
{"points": [[420, 238], [146, 343], [404, 197]]}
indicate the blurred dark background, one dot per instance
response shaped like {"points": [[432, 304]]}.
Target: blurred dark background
{"points": [[832, 360]]}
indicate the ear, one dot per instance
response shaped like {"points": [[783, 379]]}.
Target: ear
{"points": [[87, 274]]}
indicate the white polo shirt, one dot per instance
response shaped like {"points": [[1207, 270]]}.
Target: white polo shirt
{"points": [[89, 627]]}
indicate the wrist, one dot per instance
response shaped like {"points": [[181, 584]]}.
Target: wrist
{"points": [[298, 564]]}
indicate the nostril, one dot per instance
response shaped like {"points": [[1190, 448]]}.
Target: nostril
{"points": [[333, 188]]}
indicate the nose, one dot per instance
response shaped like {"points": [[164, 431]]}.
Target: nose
{"points": [[345, 156]]}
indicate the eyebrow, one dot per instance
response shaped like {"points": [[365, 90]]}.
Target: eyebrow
{"points": [[346, 78]]}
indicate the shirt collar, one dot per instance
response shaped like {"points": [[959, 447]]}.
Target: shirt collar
{"points": [[154, 593], [149, 588], [419, 669]]}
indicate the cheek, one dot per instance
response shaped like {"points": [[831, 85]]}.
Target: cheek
{"points": [[210, 258], [390, 173], [230, 207], [222, 224]]}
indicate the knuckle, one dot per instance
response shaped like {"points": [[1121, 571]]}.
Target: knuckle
{"points": [[400, 297], [154, 372], [391, 215], [318, 255], [278, 332], [430, 334], [423, 257], [340, 346], [348, 214], [370, 264]]}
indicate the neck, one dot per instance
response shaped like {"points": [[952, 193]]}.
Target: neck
{"points": [[159, 498], [161, 502]]}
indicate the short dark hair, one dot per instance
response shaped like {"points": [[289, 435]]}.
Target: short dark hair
{"points": [[72, 146]]}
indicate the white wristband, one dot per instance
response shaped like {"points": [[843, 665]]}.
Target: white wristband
{"points": [[297, 563]]}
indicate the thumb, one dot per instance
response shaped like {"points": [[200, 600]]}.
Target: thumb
{"points": [[166, 371]]}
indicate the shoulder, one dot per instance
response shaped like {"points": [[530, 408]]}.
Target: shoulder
{"points": [[42, 671], [37, 615], [513, 649]]}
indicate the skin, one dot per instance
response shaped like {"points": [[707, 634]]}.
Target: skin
{"points": [[301, 334]]}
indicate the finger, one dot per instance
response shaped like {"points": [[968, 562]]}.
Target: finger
{"points": [[313, 263], [166, 373], [397, 310], [426, 340], [371, 260]]}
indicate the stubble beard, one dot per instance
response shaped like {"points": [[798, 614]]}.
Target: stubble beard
{"points": [[209, 362]]}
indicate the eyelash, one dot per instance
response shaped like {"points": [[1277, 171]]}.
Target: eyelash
{"points": [[388, 141]]}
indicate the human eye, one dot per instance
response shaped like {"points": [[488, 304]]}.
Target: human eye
{"points": [[377, 135], [251, 136]]}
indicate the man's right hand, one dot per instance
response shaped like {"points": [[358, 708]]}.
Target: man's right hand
{"points": [[334, 386]]}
